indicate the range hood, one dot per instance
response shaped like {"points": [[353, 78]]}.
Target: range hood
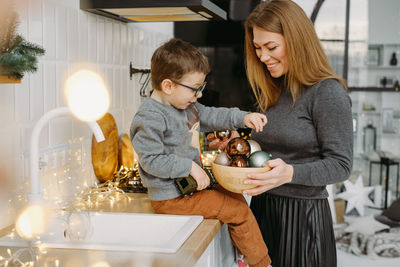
{"points": [[155, 10]]}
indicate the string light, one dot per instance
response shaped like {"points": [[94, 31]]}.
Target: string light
{"points": [[208, 157]]}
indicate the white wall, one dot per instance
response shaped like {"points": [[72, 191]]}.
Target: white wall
{"points": [[71, 38]]}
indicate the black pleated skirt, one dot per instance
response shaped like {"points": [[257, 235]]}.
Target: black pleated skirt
{"points": [[298, 232]]}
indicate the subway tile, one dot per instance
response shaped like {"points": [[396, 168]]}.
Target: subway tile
{"points": [[129, 36], [61, 33], [26, 133], [35, 24], [83, 36], [36, 93], [108, 41], [117, 114], [80, 130], [22, 9], [124, 87], [124, 45], [87, 152], [117, 88], [72, 34], [109, 80], [116, 52], [50, 87], [49, 29], [61, 76], [100, 40], [60, 130], [22, 103], [10, 141], [92, 38], [7, 109]]}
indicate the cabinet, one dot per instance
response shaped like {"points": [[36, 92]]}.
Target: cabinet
{"points": [[220, 251]]}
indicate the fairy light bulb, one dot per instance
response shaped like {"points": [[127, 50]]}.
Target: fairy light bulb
{"points": [[31, 222], [87, 96]]}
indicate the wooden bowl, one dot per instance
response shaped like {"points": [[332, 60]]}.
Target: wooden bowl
{"points": [[232, 178]]}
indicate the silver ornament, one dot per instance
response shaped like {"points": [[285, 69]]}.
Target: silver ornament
{"points": [[223, 159], [254, 146]]}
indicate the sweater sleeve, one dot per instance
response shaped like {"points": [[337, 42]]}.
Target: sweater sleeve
{"points": [[216, 119], [146, 133], [332, 118]]}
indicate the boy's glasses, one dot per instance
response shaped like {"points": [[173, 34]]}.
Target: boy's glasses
{"points": [[197, 91]]}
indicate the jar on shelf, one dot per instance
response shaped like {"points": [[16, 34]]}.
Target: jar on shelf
{"points": [[393, 60], [369, 140]]}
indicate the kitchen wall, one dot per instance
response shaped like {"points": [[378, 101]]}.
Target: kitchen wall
{"points": [[72, 38]]}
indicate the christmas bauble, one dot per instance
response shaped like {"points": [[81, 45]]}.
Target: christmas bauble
{"points": [[238, 147], [239, 161], [223, 159], [221, 135], [258, 158], [254, 146]]}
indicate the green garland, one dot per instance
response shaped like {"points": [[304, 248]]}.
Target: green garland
{"points": [[17, 56]]}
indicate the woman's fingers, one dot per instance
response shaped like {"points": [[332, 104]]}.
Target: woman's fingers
{"points": [[279, 174]]}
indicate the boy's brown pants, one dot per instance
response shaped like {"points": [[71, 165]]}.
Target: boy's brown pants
{"points": [[229, 208]]}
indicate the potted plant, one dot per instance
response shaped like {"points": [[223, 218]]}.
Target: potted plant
{"points": [[17, 56]]}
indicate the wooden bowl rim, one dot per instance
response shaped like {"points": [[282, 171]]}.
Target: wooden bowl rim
{"points": [[238, 168]]}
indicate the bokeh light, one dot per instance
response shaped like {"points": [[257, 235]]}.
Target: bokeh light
{"points": [[86, 95]]}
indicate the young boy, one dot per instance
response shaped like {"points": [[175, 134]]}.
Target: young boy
{"points": [[165, 135]]}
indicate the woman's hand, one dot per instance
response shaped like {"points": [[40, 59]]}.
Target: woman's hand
{"points": [[217, 143], [255, 121], [200, 176], [280, 173]]}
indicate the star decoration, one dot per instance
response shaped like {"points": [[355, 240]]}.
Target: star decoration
{"points": [[366, 225], [356, 195]]}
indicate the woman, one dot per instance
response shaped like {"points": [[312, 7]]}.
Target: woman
{"points": [[309, 134]]}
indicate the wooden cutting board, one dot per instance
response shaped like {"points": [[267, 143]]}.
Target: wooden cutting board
{"points": [[105, 154], [126, 153]]}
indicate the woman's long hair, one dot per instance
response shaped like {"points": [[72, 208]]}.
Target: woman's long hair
{"points": [[307, 62]]}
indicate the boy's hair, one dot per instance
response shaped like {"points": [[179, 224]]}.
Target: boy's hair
{"points": [[174, 59]]}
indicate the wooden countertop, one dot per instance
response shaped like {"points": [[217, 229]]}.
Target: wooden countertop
{"points": [[187, 255]]}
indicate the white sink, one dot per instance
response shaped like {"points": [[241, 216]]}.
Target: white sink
{"points": [[117, 231]]}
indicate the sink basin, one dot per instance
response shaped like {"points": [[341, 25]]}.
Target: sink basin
{"points": [[117, 231]]}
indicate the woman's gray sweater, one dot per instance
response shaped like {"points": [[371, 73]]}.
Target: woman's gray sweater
{"points": [[315, 135]]}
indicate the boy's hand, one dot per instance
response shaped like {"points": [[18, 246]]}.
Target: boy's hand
{"points": [[255, 121], [200, 176]]}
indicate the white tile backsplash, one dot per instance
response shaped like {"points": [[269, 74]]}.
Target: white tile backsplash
{"points": [[72, 34], [21, 101], [36, 93], [49, 29], [70, 37], [83, 36], [61, 33], [7, 109], [101, 40], [49, 86]]}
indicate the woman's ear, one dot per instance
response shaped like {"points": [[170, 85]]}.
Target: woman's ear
{"points": [[167, 86]]}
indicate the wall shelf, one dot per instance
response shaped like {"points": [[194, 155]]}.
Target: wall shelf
{"points": [[374, 89], [6, 79]]}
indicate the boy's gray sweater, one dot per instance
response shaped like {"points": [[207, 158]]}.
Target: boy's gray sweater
{"points": [[162, 138]]}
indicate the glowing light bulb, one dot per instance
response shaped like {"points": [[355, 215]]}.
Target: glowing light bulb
{"points": [[87, 95], [31, 222]]}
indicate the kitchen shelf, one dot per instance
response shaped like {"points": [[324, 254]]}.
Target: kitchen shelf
{"points": [[374, 89], [6, 79]]}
